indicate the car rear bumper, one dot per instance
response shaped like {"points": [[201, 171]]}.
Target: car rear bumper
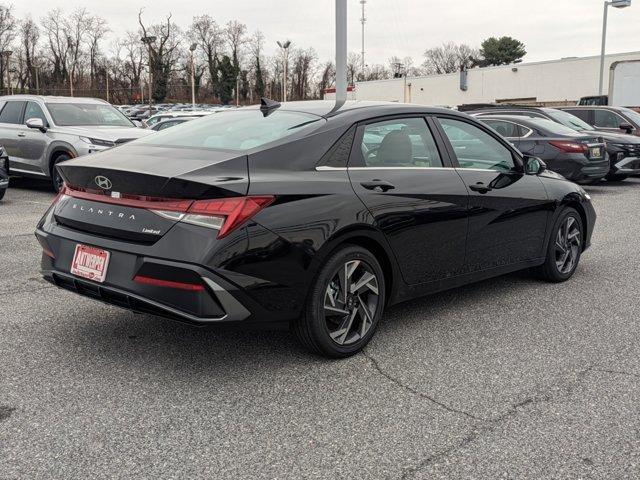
{"points": [[218, 302], [592, 170]]}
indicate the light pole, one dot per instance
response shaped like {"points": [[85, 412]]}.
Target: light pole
{"points": [[284, 46], [70, 43], [363, 20], [341, 54], [106, 71], [148, 40], [192, 49], [615, 4]]}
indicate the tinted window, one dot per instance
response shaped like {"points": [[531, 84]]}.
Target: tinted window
{"points": [[33, 110], [87, 114], [12, 112], [399, 143], [632, 114], [551, 127], [580, 113], [241, 129], [607, 119], [506, 129], [475, 148], [572, 121]]}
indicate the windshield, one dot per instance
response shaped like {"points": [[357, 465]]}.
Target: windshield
{"points": [[632, 114], [234, 130], [569, 120], [87, 114], [552, 127]]}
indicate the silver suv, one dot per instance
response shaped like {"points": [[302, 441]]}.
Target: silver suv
{"points": [[38, 132]]}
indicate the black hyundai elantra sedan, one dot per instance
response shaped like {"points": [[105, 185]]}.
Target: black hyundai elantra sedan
{"points": [[308, 216]]}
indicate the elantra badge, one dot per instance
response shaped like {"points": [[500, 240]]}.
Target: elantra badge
{"points": [[103, 182]]}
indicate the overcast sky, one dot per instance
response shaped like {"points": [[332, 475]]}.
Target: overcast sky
{"points": [[549, 28]]}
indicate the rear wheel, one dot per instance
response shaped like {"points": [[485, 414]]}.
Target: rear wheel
{"points": [[2, 192], [345, 304], [565, 248], [56, 178]]}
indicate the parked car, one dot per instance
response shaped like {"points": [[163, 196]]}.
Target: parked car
{"points": [[281, 215], [40, 132], [576, 156], [4, 172], [623, 150], [159, 117], [611, 119], [163, 125]]}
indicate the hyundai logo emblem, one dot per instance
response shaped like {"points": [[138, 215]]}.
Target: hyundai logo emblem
{"points": [[103, 182]]}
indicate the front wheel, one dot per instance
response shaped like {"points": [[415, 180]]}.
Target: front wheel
{"points": [[616, 177], [56, 178], [345, 304], [565, 248]]}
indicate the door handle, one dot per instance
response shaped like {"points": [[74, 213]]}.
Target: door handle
{"points": [[379, 185], [22, 134], [480, 188]]}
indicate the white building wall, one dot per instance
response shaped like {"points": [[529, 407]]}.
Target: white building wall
{"points": [[563, 80]]}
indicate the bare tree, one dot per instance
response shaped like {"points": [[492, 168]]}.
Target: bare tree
{"points": [[236, 38], [98, 29], [206, 32], [7, 34], [301, 73], [29, 35], [76, 26], [449, 58], [327, 77], [53, 25]]}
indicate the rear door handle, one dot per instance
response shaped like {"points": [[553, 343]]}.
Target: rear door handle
{"points": [[480, 188], [22, 134], [380, 185]]}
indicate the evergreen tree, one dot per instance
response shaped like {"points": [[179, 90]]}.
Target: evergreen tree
{"points": [[501, 51], [260, 86], [227, 81]]}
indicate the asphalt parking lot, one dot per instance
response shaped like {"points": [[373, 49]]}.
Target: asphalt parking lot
{"points": [[509, 378]]}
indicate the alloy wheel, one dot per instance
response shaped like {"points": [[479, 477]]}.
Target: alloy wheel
{"points": [[568, 245], [351, 301]]}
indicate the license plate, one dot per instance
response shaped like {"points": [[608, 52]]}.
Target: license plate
{"points": [[90, 262], [596, 152]]}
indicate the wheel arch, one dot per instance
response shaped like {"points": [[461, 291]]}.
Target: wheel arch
{"points": [[55, 151], [575, 201], [371, 239]]}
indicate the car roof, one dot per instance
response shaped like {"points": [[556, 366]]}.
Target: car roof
{"points": [[54, 99]]}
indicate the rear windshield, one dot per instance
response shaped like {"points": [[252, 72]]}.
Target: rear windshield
{"points": [[632, 114], [569, 120], [87, 114], [552, 127], [234, 130]]}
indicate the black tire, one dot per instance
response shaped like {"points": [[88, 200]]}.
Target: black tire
{"points": [[319, 329], [613, 177], [550, 270], [56, 179], [2, 192]]}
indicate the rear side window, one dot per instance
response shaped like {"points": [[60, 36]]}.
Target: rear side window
{"points": [[399, 143], [12, 113], [582, 114], [506, 129]]}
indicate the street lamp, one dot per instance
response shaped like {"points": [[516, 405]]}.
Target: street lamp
{"points": [[192, 49], [284, 46], [615, 4], [148, 40]]}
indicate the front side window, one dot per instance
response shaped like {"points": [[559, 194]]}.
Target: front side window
{"points": [[607, 119], [12, 113], [87, 114], [236, 130], [475, 148], [399, 143], [33, 110]]}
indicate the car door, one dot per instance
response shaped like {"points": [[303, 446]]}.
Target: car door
{"points": [[33, 142], [11, 132], [416, 198], [508, 210]]}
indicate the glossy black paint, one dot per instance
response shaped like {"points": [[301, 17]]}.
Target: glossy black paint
{"points": [[430, 232]]}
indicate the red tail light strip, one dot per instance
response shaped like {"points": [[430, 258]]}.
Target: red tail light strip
{"points": [[156, 282], [569, 147], [135, 201]]}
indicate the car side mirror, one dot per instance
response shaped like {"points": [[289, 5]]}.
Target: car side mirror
{"points": [[627, 127], [36, 123], [534, 165]]}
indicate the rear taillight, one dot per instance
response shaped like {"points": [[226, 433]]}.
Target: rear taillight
{"points": [[157, 282], [569, 147], [222, 214], [225, 214]]}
